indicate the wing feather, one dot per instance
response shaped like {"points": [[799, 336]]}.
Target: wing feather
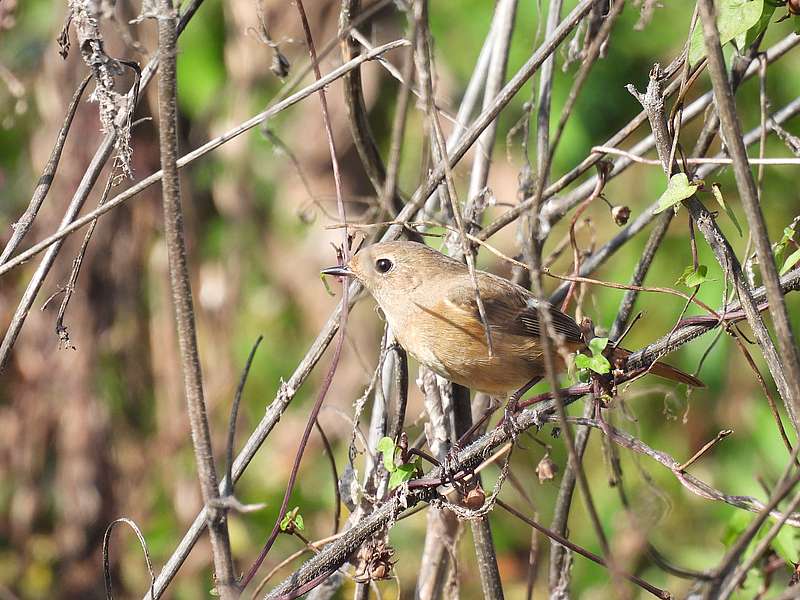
{"points": [[510, 309]]}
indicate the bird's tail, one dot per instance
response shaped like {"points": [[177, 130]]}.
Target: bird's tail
{"points": [[664, 370]]}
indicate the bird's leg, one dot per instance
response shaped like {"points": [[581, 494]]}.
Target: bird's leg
{"points": [[512, 406], [462, 441]]}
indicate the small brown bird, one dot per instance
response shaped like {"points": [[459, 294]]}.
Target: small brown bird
{"points": [[430, 303]]}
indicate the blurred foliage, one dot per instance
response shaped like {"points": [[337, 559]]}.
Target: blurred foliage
{"points": [[255, 260]]}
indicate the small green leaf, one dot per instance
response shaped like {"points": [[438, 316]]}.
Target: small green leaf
{"points": [[734, 17], [600, 364], [761, 25], [582, 361], [793, 259], [597, 363], [292, 520], [678, 189], [692, 278], [385, 444], [597, 345], [728, 210], [402, 474], [781, 249], [386, 448]]}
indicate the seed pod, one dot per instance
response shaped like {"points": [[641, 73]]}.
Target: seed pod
{"points": [[474, 498], [280, 64], [621, 214], [546, 469]]}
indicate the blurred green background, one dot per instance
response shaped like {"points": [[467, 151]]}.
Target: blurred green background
{"points": [[99, 431]]}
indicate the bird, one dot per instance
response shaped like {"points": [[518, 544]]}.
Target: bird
{"points": [[429, 300]]}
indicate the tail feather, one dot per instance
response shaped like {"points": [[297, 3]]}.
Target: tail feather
{"points": [[666, 371]]}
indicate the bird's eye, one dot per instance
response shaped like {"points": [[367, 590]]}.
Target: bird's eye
{"points": [[383, 265]]}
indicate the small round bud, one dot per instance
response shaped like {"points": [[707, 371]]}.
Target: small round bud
{"points": [[621, 214]]}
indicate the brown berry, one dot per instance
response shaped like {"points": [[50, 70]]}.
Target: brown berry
{"points": [[621, 214], [474, 498]]}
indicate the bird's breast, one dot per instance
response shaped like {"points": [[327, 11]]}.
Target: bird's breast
{"points": [[453, 344]]}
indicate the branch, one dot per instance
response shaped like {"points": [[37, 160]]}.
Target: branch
{"points": [[731, 129], [72, 226], [182, 300], [652, 102]]}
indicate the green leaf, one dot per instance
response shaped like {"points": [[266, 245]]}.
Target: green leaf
{"points": [[299, 523], [728, 210], [678, 189], [782, 247], [597, 345], [402, 474], [793, 259], [600, 364], [292, 520], [597, 363], [761, 25], [734, 17], [692, 278], [787, 545], [582, 361], [386, 448]]}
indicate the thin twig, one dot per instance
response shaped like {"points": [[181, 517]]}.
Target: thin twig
{"points": [[789, 161], [107, 554], [706, 447], [345, 251], [73, 225], [21, 227], [657, 592], [237, 398]]}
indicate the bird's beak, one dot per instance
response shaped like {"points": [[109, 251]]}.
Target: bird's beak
{"points": [[343, 271]]}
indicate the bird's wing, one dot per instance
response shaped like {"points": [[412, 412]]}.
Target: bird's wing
{"points": [[510, 309]]}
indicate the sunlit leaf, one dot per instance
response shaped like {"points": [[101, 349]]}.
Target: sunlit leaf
{"points": [[734, 18], [678, 189], [402, 474], [691, 277], [598, 344], [597, 363], [728, 210], [386, 448], [793, 259]]}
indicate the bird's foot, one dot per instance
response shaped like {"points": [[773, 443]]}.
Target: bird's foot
{"points": [[510, 423]]}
